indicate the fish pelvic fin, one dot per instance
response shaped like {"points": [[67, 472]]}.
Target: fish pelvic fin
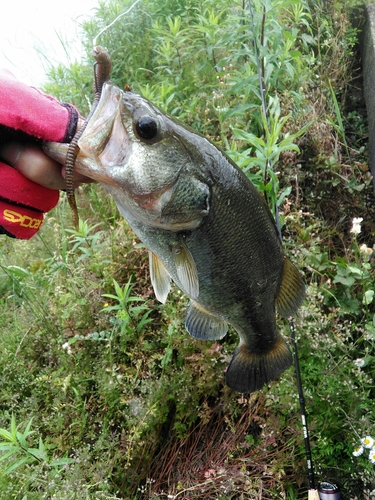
{"points": [[186, 270], [248, 371], [160, 278], [292, 290], [203, 325]]}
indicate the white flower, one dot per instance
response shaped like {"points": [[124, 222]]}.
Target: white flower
{"points": [[67, 348], [358, 451], [368, 442], [371, 455], [360, 362], [356, 225], [365, 249]]}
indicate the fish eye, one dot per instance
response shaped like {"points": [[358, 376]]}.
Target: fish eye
{"points": [[147, 128]]}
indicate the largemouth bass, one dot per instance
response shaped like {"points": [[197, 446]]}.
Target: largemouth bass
{"points": [[204, 223]]}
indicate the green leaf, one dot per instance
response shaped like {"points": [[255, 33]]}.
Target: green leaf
{"points": [[13, 428], [37, 453], [144, 321], [167, 357], [18, 271], [4, 445], [344, 280], [42, 448], [355, 270], [27, 431], [21, 439], [9, 453], [58, 462], [368, 297], [7, 435], [286, 192], [16, 465]]}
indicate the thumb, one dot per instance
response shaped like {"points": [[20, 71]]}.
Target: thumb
{"points": [[33, 164]]}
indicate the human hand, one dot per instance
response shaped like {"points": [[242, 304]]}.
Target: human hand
{"points": [[30, 180], [36, 166]]}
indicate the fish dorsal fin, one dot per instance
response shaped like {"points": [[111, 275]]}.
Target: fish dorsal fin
{"points": [[186, 270], [203, 325], [160, 278], [292, 290]]}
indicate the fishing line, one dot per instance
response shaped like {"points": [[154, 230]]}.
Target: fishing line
{"points": [[313, 494], [114, 21]]}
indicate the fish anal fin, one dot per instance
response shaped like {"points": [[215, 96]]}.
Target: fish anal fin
{"points": [[186, 270], [160, 278], [249, 371], [292, 290], [203, 325]]}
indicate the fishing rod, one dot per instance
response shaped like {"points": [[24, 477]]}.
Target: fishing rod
{"points": [[327, 491], [313, 493]]}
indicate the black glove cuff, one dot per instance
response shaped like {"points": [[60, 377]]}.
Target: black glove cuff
{"points": [[72, 122]]}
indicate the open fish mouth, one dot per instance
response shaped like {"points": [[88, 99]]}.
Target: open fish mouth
{"points": [[151, 201], [105, 143]]}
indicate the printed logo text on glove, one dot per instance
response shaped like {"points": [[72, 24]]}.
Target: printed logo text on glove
{"points": [[22, 220]]}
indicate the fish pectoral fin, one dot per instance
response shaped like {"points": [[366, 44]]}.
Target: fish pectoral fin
{"points": [[249, 371], [160, 278], [292, 290], [203, 325], [186, 270]]}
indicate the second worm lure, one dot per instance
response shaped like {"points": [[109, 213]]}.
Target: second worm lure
{"points": [[102, 73]]}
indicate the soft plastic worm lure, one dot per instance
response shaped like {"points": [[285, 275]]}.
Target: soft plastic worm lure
{"points": [[102, 73]]}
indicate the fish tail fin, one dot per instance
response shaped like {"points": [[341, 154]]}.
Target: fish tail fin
{"points": [[249, 371]]}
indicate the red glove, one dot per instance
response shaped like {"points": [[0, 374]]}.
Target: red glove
{"points": [[27, 115]]}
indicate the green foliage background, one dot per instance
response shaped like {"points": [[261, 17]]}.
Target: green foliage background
{"points": [[103, 394]]}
